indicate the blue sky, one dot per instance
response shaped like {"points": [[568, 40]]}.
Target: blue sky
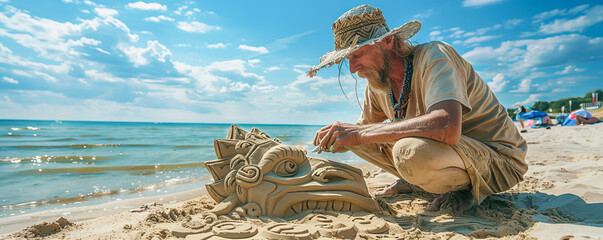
{"points": [[245, 61]]}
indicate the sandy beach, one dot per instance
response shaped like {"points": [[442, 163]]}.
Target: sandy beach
{"points": [[560, 198]]}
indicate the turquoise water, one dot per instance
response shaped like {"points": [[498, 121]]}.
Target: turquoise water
{"points": [[58, 164]]}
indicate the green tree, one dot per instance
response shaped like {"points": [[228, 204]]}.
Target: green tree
{"points": [[541, 106], [511, 113]]}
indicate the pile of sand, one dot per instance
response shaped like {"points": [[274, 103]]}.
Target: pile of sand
{"points": [[43, 229]]}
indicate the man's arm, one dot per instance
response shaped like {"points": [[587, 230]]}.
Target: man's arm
{"points": [[441, 123]]}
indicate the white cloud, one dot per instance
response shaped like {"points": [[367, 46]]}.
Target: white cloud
{"points": [[592, 17], [159, 18], [511, 23], [105, 12], [423, 15], [529, 101], [196, 27], [260, 50], [302, 66], [238, 86], [264, 89], [141, 56], [273, 68], [527, 55], [9, 80], [55, 40], [479, 3], [236, 65], [251, 62], [102, 76], [204, 80], [91, 3], [435, 33], [46, 76], [147, 6], [498, 83], [479, 39], [570, 69], [6, 56], [558, 12], [524, 86], [103, 51], [217, 45]]}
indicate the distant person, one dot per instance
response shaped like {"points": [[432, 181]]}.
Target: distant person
{"points": [[580, 117], [582, 120], [533, 114], [587, 118]]}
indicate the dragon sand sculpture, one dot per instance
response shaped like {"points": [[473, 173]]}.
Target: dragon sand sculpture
{"points": [[259, 182], [267, 178]]}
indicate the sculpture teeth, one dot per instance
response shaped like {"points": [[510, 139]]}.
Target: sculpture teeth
{"points": [[336, 205], [297, 208]]}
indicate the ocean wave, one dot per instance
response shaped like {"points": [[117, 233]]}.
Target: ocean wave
{"points": [[88, 170], [109, 192], [194, 146], [25, 128], [87, 145], [46, 158], [10, 134]]}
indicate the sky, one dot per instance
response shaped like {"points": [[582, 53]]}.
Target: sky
{"points": [[246, 61]]}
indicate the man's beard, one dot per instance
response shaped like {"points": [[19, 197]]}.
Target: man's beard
{"points": [[378, 79]]}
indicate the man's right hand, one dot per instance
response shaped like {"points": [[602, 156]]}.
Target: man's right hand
{"points": [[337, 135]]}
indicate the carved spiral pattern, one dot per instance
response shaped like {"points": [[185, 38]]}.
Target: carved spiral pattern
{"points": [[234, 229], [249, 176], [286, 168], [288, 231]]}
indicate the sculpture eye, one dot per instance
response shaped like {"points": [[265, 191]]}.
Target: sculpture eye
{"points": [[286, 168]]}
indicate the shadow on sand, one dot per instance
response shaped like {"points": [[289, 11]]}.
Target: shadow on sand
{"points": [[499, 215]]}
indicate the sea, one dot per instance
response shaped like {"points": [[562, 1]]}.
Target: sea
{"points": [[47, 165]]}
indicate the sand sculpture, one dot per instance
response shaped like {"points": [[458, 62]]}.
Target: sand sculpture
{"points": [[259, 178], [266, 178]]}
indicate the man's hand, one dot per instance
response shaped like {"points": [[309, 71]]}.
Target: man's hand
{"points": [[337, 135]]}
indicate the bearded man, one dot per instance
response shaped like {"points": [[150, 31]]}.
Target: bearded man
{"points": [[428, 118]]}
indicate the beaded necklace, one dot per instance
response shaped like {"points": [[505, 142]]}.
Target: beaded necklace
{"points": [[402, 104]]}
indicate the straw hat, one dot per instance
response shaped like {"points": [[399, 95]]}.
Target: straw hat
{"points": [[357, 27]]}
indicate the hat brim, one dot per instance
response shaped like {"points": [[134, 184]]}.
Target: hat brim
{"points": [[405, 31]]}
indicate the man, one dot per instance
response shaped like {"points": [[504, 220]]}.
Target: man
{"points": [[447, 134]]}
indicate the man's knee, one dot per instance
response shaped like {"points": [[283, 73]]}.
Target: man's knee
{"points": [[414, 154], [432, 165]]}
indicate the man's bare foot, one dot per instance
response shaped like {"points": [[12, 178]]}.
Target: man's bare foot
{"points": [[458, 200], [399, 186]]}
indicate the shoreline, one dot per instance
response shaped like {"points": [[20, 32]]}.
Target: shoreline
{"points": [[79, 214]]}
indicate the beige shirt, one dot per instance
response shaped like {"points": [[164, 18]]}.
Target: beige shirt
{"points": [[439, 74]]}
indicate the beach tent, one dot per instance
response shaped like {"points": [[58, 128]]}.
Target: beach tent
{"points": [[571, 119], [533, 115]]}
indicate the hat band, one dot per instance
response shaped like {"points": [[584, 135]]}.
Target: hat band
{"points": [[366, 30]]}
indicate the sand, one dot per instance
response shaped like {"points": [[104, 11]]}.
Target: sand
{"points": [[561, 198]]}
